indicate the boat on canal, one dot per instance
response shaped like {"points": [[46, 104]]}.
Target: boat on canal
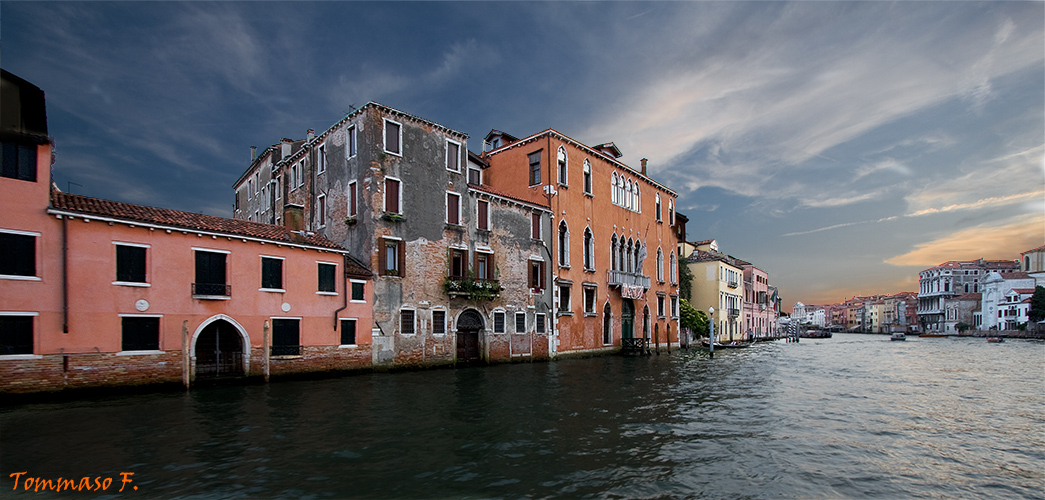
{"points": [[995, 340], [731, 345], [815, 334], [898, 336]]}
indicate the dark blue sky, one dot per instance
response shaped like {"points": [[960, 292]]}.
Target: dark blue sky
{"points": [[840, 146]]}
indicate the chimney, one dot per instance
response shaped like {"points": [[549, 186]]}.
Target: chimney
{"points": [[311, 134], [285, 145], [294, 220], [643, 162], [253, 153]]}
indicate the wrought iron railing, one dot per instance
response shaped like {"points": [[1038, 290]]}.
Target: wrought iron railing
{"points": [[225, 364], [639, 345]]}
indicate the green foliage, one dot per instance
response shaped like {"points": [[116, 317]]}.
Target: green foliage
{"points": [[962, 327], [1037, 305], [685, 281], [471, 287], [692, 318]]}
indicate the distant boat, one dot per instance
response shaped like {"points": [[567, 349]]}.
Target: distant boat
{"points": [[731, 345], [898, 336], [995, 340], [815, 334]]}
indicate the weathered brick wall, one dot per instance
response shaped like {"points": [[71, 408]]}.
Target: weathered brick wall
{"points": [[55, 372]]}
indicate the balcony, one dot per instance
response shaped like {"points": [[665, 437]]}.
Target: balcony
{"points": [[732, 283], [211, 291], [734, 312], [465, 287], [618, 278]]}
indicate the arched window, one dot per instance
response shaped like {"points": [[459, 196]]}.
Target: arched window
{"points": [[671, 213], [564, 245], [587, 176], [613, 254], [563, 163], [660, 265], [627, 194], [658, 207], [589, 249], [613, 188], [620, 190], [607, 324], [638, 257], [637, 204], [621, 259], [674, 268]]}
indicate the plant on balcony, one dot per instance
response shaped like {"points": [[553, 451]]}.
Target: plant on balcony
{"points": [[350, 220], [471, 287], [393, 217]]}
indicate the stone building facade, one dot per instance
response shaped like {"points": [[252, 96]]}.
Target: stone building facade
{"points": [[451, 257], [948, 280]]}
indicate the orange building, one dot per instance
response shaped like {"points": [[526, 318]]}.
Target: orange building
{"points": [[613, 243], [100, 293]]}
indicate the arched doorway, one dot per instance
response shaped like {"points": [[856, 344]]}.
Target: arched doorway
{"points": [[645, 322], [607, 324], [469, 325], [627, 319], [218, 350]]}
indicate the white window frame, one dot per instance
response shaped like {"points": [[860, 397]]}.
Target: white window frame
{"points": [[470, 168], [356, 301], [283, 277], [660, 265], [384, 137], [504, 321], [400, 320], [564, 244], [478, 220], [321, 209], [35, 335], [339, 332], [588, 181], [536, 220], [515, 323], [446, 315], [384, 186], [658, 208], [460, 216], [594, 300], [353, 199], [321, 159], [589, 249], [567, 308], [457, 159], [562, 167], [319, 292], [159, 334], [540, 323], [142, 284], [350, 142]]}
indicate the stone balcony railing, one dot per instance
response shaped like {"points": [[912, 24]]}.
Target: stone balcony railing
{"points": [[618, 278]]}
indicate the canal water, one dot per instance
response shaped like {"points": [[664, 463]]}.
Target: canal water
{"points": [[854, 416]]}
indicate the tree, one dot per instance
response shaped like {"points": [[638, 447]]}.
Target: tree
{"points": [[1037, 304], [692, 318], [962, 327], [685, 280]]}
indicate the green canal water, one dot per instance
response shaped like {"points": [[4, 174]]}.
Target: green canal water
{"points": [[854, 416]]}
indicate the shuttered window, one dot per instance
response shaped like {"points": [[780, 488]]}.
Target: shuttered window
{"points": [[271, 273], [141, 333], [17, 254], [16, 335], [327, 277], [348, 332], [286, 337]]}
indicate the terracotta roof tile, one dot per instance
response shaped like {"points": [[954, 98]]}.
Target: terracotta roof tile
{"points": [[183, 220]]}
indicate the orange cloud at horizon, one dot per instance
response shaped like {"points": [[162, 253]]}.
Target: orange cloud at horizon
{"points": [[1003, 242]]}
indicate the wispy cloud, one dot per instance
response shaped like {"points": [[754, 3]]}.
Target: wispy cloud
{"points": [[988, 241]]}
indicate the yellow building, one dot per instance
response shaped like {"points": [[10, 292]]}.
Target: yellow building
{"points": [[717, 283]]}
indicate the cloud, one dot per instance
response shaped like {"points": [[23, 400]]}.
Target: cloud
{"points": [[1003, 241]]}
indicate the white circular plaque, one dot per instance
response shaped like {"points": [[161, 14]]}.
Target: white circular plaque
{"points": [[142, 305], [286, 307]]}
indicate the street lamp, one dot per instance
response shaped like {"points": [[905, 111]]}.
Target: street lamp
{"points": [[711, 332]]}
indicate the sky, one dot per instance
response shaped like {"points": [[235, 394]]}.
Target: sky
{"points": [[840, 146]]}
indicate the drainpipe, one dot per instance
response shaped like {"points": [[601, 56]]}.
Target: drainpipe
{"points": [[344, 277], [65, 274]]}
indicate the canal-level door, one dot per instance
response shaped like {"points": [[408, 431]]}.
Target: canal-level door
{"points": [[219, 351], [469, 326], [627, 319]]}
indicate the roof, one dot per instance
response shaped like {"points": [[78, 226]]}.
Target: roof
{"points": [[1039, 249], [1015, 276], [175, 219], [705, 256], [1023, 291], [493, 192]]}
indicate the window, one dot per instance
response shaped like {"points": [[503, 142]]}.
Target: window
{"points": [[393, 137], [358, 291], [536, 275], [483, 266], [520, 322], [674, 306], [671, 213], [453, 208], [250, 189], [614, 262], [438, 322], [141, 333], [538, 322], [498, 322], [587, 177], [607, 324], [613, 189], [453, 156], [352, 203], [564, 299], [348, 332], [564, 245], [589, 250], [535, 226], [660, 265], [406, 322], [535, 168], [483, 215], [210, 274], [16, 334], [18, 253], [589, 300], [393, 189], [321, 207], [130, 263], [673, 268], [286, 336], [475, 176], [321, 159], [271, 273], [327, 282], [19, 162], [350, 138], [562, 162], [458, 258], [392, 253], [660, 306]]}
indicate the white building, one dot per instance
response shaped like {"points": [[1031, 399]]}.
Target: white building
{"points": [[1006, 300]]}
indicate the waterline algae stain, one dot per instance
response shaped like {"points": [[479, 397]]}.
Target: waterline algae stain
{"points": [[851, 416]]}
